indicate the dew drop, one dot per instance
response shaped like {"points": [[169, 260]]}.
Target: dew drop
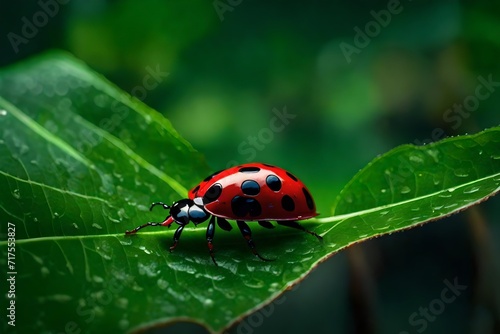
{"points": [[348, 198], [45, 271], [100, 100], [436, 181], [3, 112], [124, 324], [122, 303], [162, 284], [230, 294], [118, 176], [274, 286], [75, 226], [254, 283], [381, 228], [16, 193], [152, 187], [405, 190], [460, 172], [122, 214], [145, 250], [208, 303], [97, 226], [416, 159], [150, 270], [135, 165], [383, 191], [471, 190], [97, 279], [138, 181], [126, 242], [142, 207], [434, 154]]}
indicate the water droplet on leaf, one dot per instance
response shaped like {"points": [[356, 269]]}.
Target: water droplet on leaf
{"points": [[16, 193], [460, 172], [471, 190], [405, 190], [416, 159]]}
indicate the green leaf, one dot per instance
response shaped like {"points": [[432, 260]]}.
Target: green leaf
{"points": [[81, 161]]}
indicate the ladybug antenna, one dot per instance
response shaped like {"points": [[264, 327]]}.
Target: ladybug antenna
{"points": [[165, 206]]}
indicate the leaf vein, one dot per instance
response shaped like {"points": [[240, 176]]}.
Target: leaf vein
{"points": [[44, 133], [46, 186]]}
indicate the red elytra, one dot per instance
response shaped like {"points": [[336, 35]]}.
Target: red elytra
{"points": [[255, 191], [248, 192]]}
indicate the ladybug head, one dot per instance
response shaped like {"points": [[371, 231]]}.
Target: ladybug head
{"points": [[186, 210]]}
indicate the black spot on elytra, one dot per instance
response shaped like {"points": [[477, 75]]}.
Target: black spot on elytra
{"points": [[250, 169], [243, 206], [273, 182], [211, 176], [291, 176], [309, 199], [250, 187], [212, 193], [287, 203]]}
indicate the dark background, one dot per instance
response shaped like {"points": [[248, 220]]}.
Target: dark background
{"points": [[234, 64]]}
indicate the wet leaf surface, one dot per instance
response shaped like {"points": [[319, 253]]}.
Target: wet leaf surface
{"points": [[80, 163]]}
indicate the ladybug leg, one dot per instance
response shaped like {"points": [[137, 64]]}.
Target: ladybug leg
{"points": [[247, 234], [265, 224], [177, 235], [210, 237], [224, 224], [294, 224], [167, 222]]}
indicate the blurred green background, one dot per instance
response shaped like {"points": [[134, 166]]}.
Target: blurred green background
{"points": [[297, 85]]}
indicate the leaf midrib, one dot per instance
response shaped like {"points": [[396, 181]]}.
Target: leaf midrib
{"points": [[391, 205], [339, 219]]}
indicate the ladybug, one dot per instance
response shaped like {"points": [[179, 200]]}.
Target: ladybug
{"points": [[249, 192]]}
